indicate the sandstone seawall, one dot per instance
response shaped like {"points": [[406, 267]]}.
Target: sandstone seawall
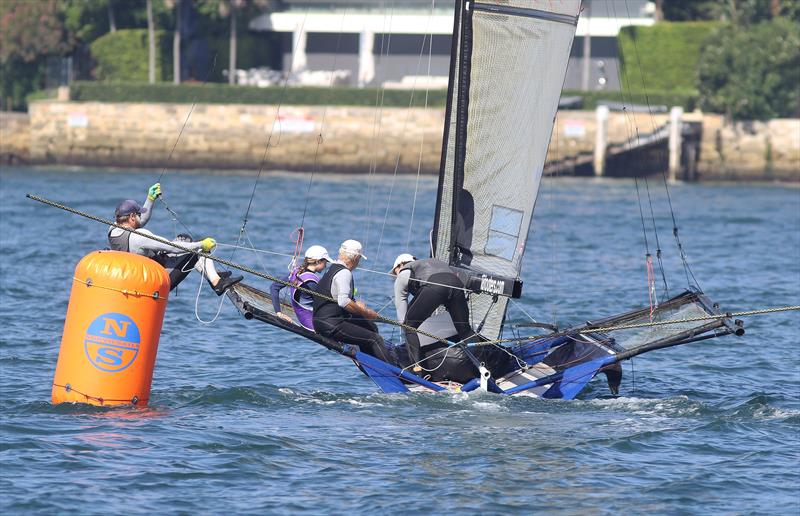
{"points": [[343, 139]]}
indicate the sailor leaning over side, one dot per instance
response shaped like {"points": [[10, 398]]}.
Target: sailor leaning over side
{"points": [[346, 320], [432, 283], [304, 276], [178, 264]]}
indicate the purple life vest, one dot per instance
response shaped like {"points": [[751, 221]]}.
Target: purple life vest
{"points": [[302, 302]]}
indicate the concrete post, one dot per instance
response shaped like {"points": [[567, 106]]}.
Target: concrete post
{"points": [[366, 58], [600, 140], [587, 47], [675, 143], [299, 59]]}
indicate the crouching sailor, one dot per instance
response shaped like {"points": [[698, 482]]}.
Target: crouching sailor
{"points": [[305, 277], [178, 263], [432, 283], [345, 319]]}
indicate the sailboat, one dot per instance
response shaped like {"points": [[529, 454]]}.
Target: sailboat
{"points": [[508, 63]]}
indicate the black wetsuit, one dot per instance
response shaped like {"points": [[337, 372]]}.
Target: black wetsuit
{"points": [[433, 284], [331, 320]]}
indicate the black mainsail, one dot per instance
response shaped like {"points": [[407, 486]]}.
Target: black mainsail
{"points": [[508, 65]]}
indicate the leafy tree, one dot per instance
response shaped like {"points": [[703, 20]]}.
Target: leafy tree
{"points": [[231, 9], [739, 12], [753, 72], [30, 32]]}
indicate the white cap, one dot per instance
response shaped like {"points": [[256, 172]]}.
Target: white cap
{"points": [[352, 247], [402, 258], [317, 252]]}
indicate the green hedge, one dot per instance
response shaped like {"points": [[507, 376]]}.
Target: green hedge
{"points": [[687, 99], [225, 94], [665, 54], [123, 56], [338, 96]]}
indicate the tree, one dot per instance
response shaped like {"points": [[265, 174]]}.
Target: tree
{"points": [[151, 44], [738, 12], [177, 5], [112, 21], [231, 9], [30, 32], [752, 72]]}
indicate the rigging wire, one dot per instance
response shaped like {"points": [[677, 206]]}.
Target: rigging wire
{"points": [[403, 132], [387, 320], [320, 138], [658, 243], [687, 269], [268, 144], [377, 123], [629, 118], [422, 137], [172, 213]]}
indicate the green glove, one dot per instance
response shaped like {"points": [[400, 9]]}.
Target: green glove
{"points": [[154, 191], [208, 244]]}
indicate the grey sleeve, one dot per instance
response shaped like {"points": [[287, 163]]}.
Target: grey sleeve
{"points": [[340, 287], [140, 244], [148, 205], [401, 294]]}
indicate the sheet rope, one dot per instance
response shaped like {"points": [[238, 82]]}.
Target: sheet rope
{"points": [[387, 320]]}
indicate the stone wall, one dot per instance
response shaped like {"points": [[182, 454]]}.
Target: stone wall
{"points": [[750, 150], [235, 136], [353, 139], [14, 138]]}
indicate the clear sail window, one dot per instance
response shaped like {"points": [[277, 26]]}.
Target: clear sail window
{"points": [[503, 232]]}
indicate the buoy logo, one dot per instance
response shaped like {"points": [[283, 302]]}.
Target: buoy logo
{"points": [[112, 342]]}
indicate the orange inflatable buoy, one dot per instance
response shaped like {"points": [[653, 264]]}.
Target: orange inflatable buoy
{"points": [[110, 340]]}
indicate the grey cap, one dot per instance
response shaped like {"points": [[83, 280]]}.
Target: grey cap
{"points": [[127, 207]]}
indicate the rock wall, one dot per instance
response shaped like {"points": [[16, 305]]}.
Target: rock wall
{"points": [[235, 136], [353, 139], [14, 138], [750, 150]]}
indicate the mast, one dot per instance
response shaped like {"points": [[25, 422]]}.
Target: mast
{"points": [[508, 62]]}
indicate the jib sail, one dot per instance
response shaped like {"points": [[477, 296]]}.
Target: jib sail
{"points": [[508, 63]]}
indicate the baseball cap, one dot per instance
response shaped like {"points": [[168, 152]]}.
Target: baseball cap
{"points": [[127, 207], [352, 247], [402, 258], [317, 252]]}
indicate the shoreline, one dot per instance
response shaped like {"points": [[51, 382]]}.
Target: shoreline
{"points": [[356, 141], [77, 169]]}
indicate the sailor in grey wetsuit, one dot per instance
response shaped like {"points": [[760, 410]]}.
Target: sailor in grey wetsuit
{"points": [[346, 320], [177, 263], [432, 283]]}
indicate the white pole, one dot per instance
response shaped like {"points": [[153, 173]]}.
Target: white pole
{"points": [[675, 126], [601, 140], [366, 58], [299, 59]]}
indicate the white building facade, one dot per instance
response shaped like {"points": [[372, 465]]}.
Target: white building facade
{"points": [[405, 43]]}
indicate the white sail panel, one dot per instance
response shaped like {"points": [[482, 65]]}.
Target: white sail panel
{"points": [[511, 62]]}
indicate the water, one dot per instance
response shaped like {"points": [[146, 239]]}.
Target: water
{"points": [[244, 418]]}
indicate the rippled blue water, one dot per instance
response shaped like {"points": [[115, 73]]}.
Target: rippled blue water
{"points": [[246, 419]]}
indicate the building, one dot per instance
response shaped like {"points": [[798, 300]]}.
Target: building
{"points": [[396, 43]]}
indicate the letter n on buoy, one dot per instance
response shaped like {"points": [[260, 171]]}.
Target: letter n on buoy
{"points": [[114, 318]]}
